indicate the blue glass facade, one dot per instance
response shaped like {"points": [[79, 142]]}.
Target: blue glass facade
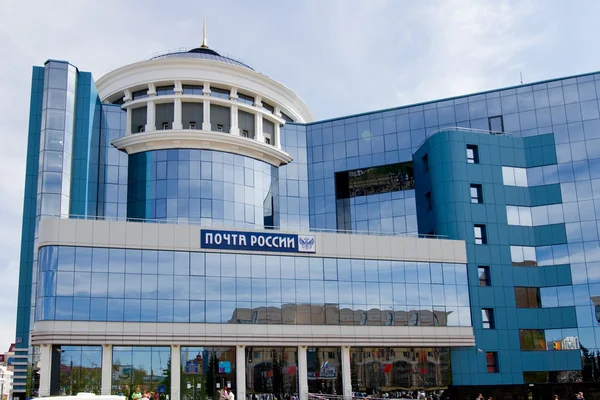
{"points": [[553, 127], [202, 186], [99, 284], [24, 303], [527, 204], [84, 183], [112, 168], [447, 178], [293, 200]]}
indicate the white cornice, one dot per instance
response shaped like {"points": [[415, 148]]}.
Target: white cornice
{"points": [[165, 70], [206, 140], [196, 334]]}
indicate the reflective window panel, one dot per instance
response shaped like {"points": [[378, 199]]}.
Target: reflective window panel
{"points": [[206, 370], [97, 284]]}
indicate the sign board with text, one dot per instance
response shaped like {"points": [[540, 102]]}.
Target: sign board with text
{"points": [[257, 241]]}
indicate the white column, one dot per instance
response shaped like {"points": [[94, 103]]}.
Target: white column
{"points": [[175, 372], [206, 89], [233, 94], [277, 135], [151, 89], [346, 373], [128, 127], [206, 115], [302, 373], [178, 89], [177, 115], [45, 369], [106, 369], [258, 121], [258, 127], [240, 372], [235, 130], [277, 129], [150, 116]]}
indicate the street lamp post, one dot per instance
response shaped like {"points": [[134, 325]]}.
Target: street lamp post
{"points": [[71, 377]]}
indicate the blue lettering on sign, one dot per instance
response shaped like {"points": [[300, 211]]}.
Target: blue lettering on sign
{"points": [[257, 241]]}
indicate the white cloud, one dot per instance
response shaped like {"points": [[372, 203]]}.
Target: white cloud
{"points": [[8, 293], [341, 57]]}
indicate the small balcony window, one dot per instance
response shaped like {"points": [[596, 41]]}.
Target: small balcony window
{"points": [[480, 234], [221, 93], [472, 154], [476, 194], [165, 90], [165, 125], [192, 125], [139, 94], [487, 318], [140, 128], [268, 140], [286, 117], [484, 276], [491, 362], [193, 89], [245, 133], [268, 107], [242, 98], [219, 128]]}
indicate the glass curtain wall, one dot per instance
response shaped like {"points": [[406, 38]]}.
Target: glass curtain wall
{"points": [[144, 370], [201, 186], [272, 371], [99, 284], [324, 366], [205, 371], [80, 369], [398, 371]]}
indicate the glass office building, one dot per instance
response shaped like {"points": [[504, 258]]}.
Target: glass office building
{"points": [[189, 227]]}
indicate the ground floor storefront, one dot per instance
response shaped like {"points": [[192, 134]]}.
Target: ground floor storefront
{"points": [[251, 372]]}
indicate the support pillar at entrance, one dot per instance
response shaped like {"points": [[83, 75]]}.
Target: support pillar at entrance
{"points": [[346, 373], [302, 373], [175, 372], [240, 372], [106, 369], [45, 369]]}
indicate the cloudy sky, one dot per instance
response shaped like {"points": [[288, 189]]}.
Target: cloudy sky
{"points": [[340, 56]]}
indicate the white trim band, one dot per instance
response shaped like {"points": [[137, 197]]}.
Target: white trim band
{"points": [[200, 139]]}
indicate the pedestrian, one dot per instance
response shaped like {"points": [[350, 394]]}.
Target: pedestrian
{"points": [[230, 395]]}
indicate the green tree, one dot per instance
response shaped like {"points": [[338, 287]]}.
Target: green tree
{"points": [[213, 369], [277, 374], [354, 374], [596, 366], [587, 362]]}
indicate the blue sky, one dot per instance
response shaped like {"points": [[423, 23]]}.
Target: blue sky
{"points": [[340, 56]]}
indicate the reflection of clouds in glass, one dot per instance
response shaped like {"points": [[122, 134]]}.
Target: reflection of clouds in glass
{"points": [[172, 296], [593, 274]]}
